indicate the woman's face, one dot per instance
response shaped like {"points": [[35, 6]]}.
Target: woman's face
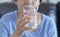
{"points": [[29, 3]]}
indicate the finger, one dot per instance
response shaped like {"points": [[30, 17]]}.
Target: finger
{"points": [[28, 28], [24, 23], [24, 19], [23, 14]]}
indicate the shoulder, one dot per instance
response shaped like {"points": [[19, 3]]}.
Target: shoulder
{"points": [[9, 15], [7, 23], [9, 18], [47, 19], [50, 26]]}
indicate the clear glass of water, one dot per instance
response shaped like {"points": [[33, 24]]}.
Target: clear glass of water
{"points": [[33, 14]]}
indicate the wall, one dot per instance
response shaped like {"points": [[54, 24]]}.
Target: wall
{"points": [[2, 1], [54, 1], [51, 1]]}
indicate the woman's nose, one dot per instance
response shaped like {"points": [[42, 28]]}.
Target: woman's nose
{"points": [[29, 2]]}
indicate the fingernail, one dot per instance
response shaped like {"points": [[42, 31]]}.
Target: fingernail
{"points": [[25, 15]]}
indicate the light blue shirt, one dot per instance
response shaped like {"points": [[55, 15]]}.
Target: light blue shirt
{"points": [[47, 26]]}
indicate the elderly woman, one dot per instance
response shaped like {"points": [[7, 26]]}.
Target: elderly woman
{"points": [[13, 25]]}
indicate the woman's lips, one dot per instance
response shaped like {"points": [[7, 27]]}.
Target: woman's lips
{"points": [[28, 7]]}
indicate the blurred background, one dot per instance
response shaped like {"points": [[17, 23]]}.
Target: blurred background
{"points": [[50, 8]]}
